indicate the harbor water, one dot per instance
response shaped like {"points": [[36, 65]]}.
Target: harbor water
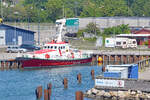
{"points": [[21, 84]]}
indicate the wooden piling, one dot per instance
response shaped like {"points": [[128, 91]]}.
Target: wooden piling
{"points": [[20, 65], [7, 65], [49, 87], [103, 69], [46, 94], [79, 78], [39, 92], [92, 74], [2, 65], [65, 82], [112, 59], [79, 95], [15, 65]]}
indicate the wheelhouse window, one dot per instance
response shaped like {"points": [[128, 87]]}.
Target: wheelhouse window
{"points": [[44, 47], [124, 42]]}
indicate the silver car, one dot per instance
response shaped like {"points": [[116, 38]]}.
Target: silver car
{"points": [[15, 49]]}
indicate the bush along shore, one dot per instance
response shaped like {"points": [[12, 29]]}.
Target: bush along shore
{"points": [[97, 94]]}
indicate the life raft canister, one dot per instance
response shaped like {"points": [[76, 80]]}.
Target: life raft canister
{"points": [[47, 56]]}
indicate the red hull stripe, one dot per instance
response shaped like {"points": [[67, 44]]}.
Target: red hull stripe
{"points": [[42, 62]]}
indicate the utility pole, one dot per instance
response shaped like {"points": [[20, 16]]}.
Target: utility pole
{"points": [[1, 10], [76, 14], [64, 15], [39, 27]]}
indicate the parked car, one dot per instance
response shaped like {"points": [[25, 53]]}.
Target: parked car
{"points": [[15, 49], [71, 34], [30, 47]]}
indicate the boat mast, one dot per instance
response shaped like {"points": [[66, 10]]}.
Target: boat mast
{"points": [[59, 38]]}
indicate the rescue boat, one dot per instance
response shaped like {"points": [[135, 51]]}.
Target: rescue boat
{"points": [[55, 53]]}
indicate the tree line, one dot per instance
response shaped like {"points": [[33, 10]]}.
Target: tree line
{"points": [[50, 10]]}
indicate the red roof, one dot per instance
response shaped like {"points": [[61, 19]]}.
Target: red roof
{"points": [[142, 31]]}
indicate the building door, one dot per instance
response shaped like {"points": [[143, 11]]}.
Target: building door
{"points": [[2, 37], [19, 40]]}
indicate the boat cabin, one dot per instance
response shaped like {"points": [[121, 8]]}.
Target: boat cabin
{"points": [[57, 46]]}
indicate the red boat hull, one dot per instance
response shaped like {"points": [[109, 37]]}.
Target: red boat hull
{"points": [[44, 63]]}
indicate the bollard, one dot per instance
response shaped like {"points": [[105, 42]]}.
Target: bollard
{"points": [[46, 94], [65, 82], [79, 78], [49, 87], [39, 92], [92, 74], [79, 95]]}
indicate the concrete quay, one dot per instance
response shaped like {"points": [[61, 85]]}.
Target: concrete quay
{"points": [[119, 52], [9, 56]]}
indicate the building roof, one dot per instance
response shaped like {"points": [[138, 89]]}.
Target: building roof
{"points": [[142, 31], [13, 27]]}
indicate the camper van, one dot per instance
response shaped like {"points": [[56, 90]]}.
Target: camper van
{"points": [[120, 42]]}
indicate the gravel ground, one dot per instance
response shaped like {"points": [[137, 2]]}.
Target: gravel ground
{"points": [[145, 75]]}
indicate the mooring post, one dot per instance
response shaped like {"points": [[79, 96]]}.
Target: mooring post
{"points": [[92, 74], [38, 92], [49, 87], [46, 94], [103, 69], [2, 65], [79, 95], [79, 78], [7, 65], [65, 82], [103, 60]]}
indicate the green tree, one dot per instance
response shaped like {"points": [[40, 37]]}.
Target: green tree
{"points": [[92, 28], [88, 9], [54, 9], [141, 7], [121, 29]]}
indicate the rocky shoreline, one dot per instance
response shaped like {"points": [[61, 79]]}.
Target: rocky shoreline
{"points": [[97, 94]]}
